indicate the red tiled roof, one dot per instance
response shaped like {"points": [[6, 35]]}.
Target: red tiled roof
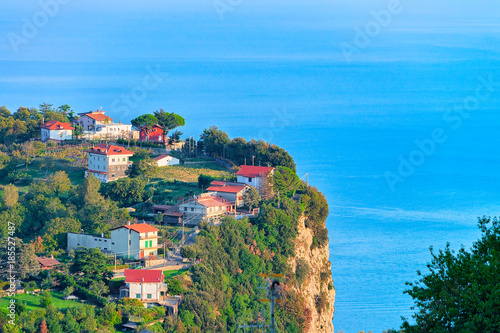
{"points": [[143, 275], [56, 125], [95, 171], [226, 189], [161, 157], [142, 227], [174, 214], [105, 149], [213, 201], [47, 262], [97, 116], [217, 183], [253, 171]]}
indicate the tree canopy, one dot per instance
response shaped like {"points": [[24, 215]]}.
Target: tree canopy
{"points": [[146, 123], [168, 121], [460, 293]]}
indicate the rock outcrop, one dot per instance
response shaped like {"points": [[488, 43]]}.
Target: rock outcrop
{"points": [[317, 289]]}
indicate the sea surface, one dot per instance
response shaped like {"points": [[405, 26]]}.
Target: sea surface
{"points": [[346, 124]]}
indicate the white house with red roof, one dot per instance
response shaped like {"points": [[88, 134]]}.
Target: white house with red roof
{"points": [[233, 192], [135, 241], [253, 175], [108, 162], [90, 120], [166, 160], [57, 131], [145, 285], [206, 206]]}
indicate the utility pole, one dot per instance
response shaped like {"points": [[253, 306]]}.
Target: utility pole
{"points": [[253, 159], [115, 262]]}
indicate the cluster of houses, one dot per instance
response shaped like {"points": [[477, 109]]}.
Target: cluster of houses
{"points": [[97, 125]]}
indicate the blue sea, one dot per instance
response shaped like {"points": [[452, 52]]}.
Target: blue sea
{"points": [[347, 124]]}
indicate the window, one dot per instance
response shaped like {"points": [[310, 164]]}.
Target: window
{"points": [[146, 244], [249, 180], [124, 159], [137, 295], [150, 296], [192, 209], [130, 242], [112, 168], [112, 176], [150, 243], [112, 160], [185, 209]]}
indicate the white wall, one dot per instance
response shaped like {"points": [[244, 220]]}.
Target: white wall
{"points": [[98, 162], [59, 135], [255, 182], [125, 242], [169, 160], [147, 288], [88, 241]]}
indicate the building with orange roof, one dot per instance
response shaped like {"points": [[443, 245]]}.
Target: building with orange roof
{"points": [[253, 175], [205, 207], [108, 162], [90, 120], [148, 286], [56, 130], [233, 192], [135, 241]]}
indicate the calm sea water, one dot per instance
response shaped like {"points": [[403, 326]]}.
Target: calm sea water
{"points": [[345, 124]]}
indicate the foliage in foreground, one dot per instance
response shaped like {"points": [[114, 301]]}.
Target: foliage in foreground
{"points": [[461, 292]]}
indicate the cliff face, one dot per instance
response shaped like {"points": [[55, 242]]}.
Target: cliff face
{"points": [[318, 286]]}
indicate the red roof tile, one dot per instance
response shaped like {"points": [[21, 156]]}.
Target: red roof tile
{"points": [[226, 189], [144, 275], [97, 116], [217, 183], [253, 171], [161, 157], [213, 201], [47, 262], [105, 149], [142, 227], [54, 125]]}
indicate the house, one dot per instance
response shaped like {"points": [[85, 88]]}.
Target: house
{"points": [[207, 206], [171, 215], [156, 134], [47, 263], [109, 131], [233, 192], [253, 175], [145, 285], [57, 131], [108, 162], [166, 160], [135, 241], [90, 120]]}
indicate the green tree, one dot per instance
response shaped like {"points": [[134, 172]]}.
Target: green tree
{"points": [[10, 196], [59, 182], [251, 198], [92, 263], [68, 291], [147, 168], [146, 123], [286, 181], [460, 291], [98, 288], [214, 140], [168, 121]]}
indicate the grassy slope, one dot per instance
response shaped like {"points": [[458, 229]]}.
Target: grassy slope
{"points": [[33, 301]]}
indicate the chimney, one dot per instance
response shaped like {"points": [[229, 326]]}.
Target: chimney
{"points": [[102, 235], [128, 222]]}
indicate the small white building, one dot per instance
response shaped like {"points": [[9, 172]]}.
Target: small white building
{"points": [[57, 131], [207, 206], [135, 241], [253, 175], [108, 162], [166, 160], [76, 241], [145, 285]]}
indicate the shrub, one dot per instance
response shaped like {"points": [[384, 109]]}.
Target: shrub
{"points": [[302, 271]]}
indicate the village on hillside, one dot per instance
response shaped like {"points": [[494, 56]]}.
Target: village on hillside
{"points": [[138, 195]]}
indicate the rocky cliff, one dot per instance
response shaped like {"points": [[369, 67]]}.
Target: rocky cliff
{"points": [[317, 289]]}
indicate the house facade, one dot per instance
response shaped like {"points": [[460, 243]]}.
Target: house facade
{"points": [[233, 192], [253, 175], [135, 241], [207, 206], [56, 130], [156, 134], [90, 120], [110, 131], [145, 285], [76, 241], [166, 160], [108, 162]]}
